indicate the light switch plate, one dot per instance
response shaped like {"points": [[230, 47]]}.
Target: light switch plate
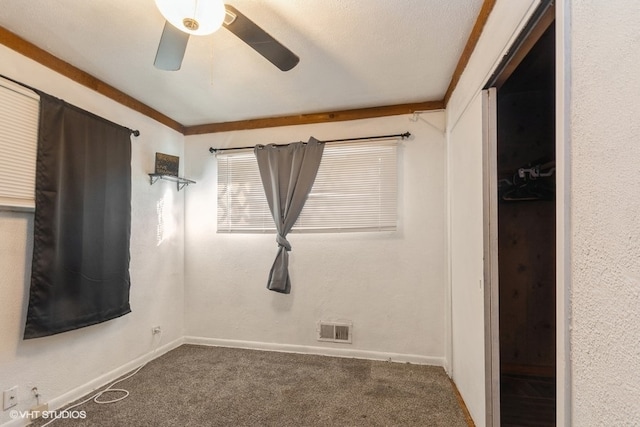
{"points": [[10, 398]]}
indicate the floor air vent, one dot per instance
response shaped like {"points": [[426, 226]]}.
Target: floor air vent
{"points": [[334, 332]]}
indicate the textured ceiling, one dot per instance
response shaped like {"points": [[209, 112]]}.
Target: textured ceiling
{"points": [[353, 53]]}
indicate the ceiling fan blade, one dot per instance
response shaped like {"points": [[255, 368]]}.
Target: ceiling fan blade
{"points": [[259, 40], [173, 43]]}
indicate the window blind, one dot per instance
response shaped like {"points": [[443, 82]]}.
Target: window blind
{"points": [[19, 109], [242, 205], [355, 190]]}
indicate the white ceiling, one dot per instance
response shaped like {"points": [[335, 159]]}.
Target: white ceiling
{"points": [[353, 53]]}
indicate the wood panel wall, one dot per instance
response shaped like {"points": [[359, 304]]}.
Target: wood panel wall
{"points": [[526, 237]]}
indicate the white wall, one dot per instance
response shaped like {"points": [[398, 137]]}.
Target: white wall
{"points": [[390, 284], [605, 212], [464, 189], [67, 365]]}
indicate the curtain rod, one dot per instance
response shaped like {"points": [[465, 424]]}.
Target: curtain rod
{"points": [[133, 132], [362, 138]]}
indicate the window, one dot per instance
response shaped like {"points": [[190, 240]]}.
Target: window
{"points": [[355, 190], [19, 109]]}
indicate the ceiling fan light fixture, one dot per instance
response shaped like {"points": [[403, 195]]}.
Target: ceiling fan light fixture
{"points": [[197, 17]]}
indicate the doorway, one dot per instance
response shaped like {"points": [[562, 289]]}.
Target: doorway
{"points": [[526, 238], [520, 231]]}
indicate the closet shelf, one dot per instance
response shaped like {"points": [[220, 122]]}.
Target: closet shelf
{"points": [[180, 182]]}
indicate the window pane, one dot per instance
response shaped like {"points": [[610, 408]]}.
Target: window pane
{"points": [[355, 190], [242, 205], [19, 109]]}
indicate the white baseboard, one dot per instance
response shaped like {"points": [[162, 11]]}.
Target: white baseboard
{"points": [[105, 379], [78, 392], [322, 351]]}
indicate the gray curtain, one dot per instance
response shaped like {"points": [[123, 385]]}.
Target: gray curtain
{"points": [[288, 173], [80, 268]]}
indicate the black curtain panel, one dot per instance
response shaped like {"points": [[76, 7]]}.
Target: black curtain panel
{"points": [[80, 271]]}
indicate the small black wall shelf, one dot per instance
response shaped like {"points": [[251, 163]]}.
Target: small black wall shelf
{"points": [[180, 182]]}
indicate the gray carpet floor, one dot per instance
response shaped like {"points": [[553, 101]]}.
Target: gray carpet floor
{"points": [[213, 386]]}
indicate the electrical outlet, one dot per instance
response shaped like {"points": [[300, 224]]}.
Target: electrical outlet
{"points": [[10, 398], [156, 330]]}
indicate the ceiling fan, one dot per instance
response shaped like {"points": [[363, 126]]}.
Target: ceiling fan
{"points": [[201, 17]]}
